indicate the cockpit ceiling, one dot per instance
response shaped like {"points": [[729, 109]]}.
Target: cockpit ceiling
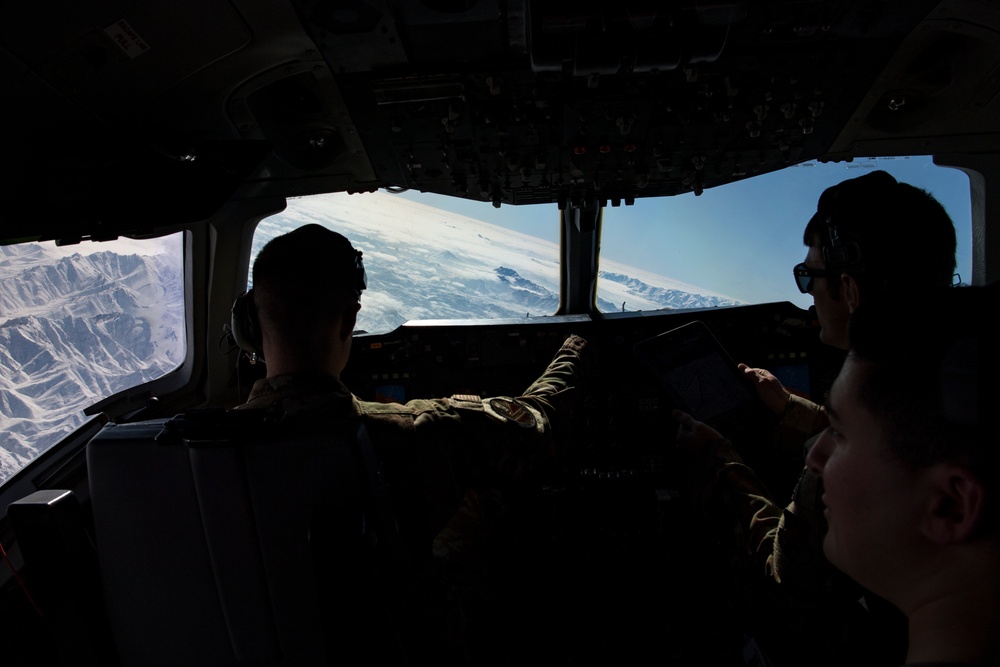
{"points": [[117, 105]]}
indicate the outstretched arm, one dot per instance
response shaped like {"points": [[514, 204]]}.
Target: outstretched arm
{"points": [[564, 371]]}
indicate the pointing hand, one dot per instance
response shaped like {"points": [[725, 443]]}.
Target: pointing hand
{"points": [[769, 389]]}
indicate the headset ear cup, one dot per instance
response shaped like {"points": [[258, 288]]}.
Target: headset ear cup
{"points": [[246, 329], [842, 255], [360, 277]]}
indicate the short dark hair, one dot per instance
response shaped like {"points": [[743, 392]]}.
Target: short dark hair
{"points": [[931, 385], [308, 276], [883, 233]]}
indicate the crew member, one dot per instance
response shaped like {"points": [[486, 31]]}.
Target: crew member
{"points": [[450, 463], [870, 237]]}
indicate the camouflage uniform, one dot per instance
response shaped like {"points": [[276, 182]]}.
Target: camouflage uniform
{"points": [[796, 559], [451, 465], [801, 421]]}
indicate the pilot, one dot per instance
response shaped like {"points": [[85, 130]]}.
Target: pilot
{"points": [[870, 236], [448, 461], [909, 469]]}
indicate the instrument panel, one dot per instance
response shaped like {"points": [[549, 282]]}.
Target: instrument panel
{"points": [[622, 402]]}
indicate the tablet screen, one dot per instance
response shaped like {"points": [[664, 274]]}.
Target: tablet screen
{"points": [[698, 374]]}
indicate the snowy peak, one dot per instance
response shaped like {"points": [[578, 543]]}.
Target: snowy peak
{"points": [[638, 291]]}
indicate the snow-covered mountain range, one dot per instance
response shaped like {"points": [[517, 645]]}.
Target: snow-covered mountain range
{"points": [[80, 324], [77, 328]]}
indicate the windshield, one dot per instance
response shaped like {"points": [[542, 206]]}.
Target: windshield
{"points": [[434, 257], [738, 243], [79, 324], [425, 261]]}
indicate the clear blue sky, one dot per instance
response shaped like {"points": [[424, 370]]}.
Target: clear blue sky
{"points": [[740, 239]]}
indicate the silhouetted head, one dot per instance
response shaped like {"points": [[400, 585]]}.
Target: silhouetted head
{"points": [[308, 275], [884, 233], [306, 284], [870, 235]]}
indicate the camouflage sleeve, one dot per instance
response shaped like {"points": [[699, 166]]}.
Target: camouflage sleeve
{"points": [[784, 544], [789, 579], [801, 420], [442, 447], [553, 397], [797, 560], [756, 514], [563, 372]]}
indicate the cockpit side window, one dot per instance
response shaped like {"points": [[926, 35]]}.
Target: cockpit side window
{"points": [[79, 324]]}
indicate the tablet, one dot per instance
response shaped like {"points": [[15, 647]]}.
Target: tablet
{"points": [[700, 377]]}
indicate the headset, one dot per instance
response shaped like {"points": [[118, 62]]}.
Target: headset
{"points": [[245, 323], [842, 252]]}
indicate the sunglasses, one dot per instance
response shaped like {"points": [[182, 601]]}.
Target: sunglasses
{"points": [[804, 276]]}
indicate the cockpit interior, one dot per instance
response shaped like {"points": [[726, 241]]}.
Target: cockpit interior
{"points": [[196, 122]]}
